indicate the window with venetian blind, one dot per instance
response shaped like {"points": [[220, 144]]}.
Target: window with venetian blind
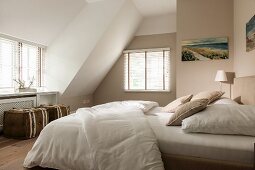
{"points": [[147, 70], [20, 61]]}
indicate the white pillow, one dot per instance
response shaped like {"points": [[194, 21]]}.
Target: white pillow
{"points": [[225, 101], [145, 106], [222, 119]]}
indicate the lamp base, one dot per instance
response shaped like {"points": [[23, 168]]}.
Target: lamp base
{"points": [[220, 86]]}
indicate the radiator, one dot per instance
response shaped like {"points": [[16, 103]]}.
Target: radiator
{"points": [[21, 102]]}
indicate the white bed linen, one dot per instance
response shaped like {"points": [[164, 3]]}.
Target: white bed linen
{"points": [[172, 140], [224, 100], [145, 106], [109, 137]]}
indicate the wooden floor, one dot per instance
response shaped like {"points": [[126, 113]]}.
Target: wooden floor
{"points": [[13, 153]]}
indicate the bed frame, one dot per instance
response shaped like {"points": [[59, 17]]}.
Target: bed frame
{"points": [[243, 93], [176, 162]]}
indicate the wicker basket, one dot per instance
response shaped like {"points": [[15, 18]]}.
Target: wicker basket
{"points": [[57, 111], [24, 123]]}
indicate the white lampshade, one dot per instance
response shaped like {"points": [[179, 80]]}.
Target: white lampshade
{"points": [[221, 76]]}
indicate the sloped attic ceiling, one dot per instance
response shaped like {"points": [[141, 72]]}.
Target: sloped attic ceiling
{"points": [[39, 21], [155, 7], [85, 51], [106, 52]]}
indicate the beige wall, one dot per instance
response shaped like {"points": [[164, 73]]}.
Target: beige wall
{"points": [[77, 101], [244, 64], [111, 88], [202, 19]]}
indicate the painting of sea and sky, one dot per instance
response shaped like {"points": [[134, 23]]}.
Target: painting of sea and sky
{"points": [[205, 49], [250, 34]]}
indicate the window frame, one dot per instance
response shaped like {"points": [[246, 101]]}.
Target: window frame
{"points": [[145, 51], [17, 65]]}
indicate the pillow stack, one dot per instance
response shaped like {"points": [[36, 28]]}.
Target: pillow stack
{"points": [[187, 106], [186, 110], [171, 107]]}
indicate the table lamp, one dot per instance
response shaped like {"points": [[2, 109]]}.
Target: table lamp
{"points": [[221, 77]]}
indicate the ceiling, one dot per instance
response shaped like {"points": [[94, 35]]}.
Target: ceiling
{"points": [[39, 21], [155, 7]]}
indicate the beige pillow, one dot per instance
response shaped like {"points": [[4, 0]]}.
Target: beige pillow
{"points": [[174, 104], [210, 95], [187, 110]]}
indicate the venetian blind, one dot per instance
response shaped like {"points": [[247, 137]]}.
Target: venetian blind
{"points": [[147, 70], [8, 63], [30, 64], [20, 61]]}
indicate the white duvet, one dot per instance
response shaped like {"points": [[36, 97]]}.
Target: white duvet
{"points": [[114, 136]]}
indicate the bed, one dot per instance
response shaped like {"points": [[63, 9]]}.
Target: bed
{"points": [[229, 152], [179, 151]]}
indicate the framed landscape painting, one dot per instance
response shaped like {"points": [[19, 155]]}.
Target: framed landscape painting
{"points": [[250, 34], [205, 49]]}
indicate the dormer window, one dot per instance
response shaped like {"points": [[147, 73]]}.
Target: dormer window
{"points": [[147, 70]]}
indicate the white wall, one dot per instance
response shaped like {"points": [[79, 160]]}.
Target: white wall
{"points": [[66, 55], [157, 25], [244, 63], [37, 21], [106, 52], [82, 55]]}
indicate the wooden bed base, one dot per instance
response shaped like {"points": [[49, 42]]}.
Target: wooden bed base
{"points": [[173, 162], [178, 162]]}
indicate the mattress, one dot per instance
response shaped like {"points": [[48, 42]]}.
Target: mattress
{"points": [[172, 140]]}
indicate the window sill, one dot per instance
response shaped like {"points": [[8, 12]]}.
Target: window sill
{"points": [[10, 92], [13, 90], [147, 91]]}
